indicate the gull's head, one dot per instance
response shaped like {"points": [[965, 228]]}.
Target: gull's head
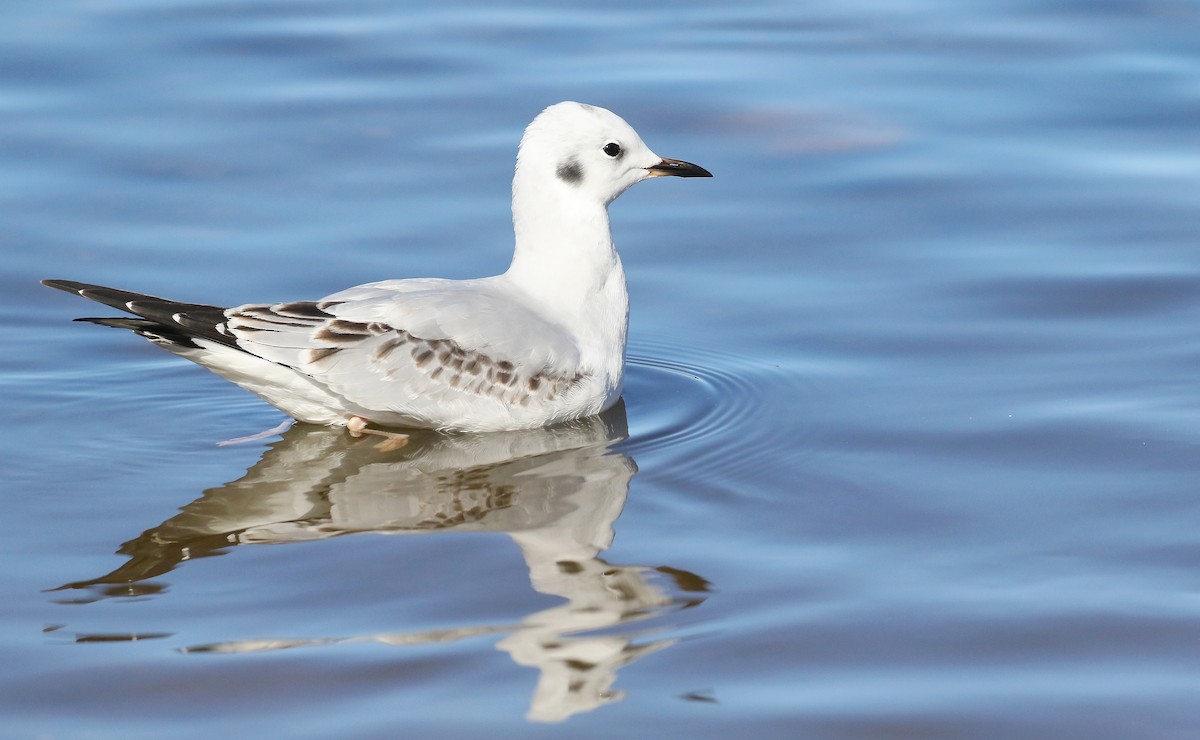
{"points": [[589, 152]]}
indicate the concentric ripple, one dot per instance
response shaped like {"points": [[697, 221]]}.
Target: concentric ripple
{"points": [[712, 409]]}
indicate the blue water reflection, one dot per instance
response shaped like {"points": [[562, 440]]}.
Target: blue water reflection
{"points": [[557, 493]]}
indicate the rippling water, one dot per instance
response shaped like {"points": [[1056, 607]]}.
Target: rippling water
{"points": [[908, 446]]}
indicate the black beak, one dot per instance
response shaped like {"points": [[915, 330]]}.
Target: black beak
{"points": [[678, 169]]}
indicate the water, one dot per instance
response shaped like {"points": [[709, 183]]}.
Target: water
{"points": [[908, 446]]}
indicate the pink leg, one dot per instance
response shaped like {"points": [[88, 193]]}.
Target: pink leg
{"points": [[357, 426]]}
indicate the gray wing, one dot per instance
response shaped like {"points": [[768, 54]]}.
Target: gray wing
{"points": [[414, 346]]}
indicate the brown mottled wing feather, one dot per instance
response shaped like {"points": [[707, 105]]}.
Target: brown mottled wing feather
{"points": [[407, 351]]}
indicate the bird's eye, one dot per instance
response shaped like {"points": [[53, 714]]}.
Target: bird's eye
{"points": [[612, 149]]}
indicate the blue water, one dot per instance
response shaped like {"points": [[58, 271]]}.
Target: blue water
{"points": [[909, 442]]}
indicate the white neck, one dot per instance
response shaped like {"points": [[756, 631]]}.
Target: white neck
{"points": [[565, 261]]}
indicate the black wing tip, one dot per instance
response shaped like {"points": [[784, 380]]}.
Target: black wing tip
{"points": [[157, 319], [116, 322], [70, 286], [118, 298], [155, 331]]}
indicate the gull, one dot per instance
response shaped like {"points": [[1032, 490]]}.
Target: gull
{"points": [[540, 344]]}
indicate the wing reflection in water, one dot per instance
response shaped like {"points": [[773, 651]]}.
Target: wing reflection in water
{"points": [[556, 492]]}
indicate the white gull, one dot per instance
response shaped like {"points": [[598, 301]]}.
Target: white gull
{"points": [[542, 343]]}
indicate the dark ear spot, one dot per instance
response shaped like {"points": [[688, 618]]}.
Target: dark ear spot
{"points": [[570, 172]]}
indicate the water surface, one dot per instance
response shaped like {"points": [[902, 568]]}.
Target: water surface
{"points": [[908, 446]]}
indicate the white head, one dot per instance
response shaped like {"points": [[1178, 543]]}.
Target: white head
{"points": [[573, 161], [589, 152]]}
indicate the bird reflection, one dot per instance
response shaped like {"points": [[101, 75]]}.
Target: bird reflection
{"points": [[556, 492]]}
